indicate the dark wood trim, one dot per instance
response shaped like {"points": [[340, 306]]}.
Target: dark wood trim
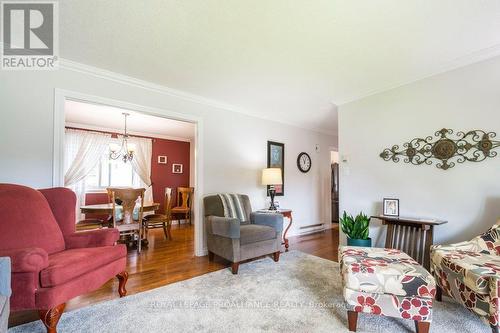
{"points": [[122, 281], [211, 256], [408, 220], [287, 214], [276, 256], [439, 293], [352, 320], [51, 317], [422, 326], [234, 267]]}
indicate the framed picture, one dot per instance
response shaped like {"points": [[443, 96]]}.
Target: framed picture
{"points": [[162, 159], [276, 159], [391, 207], [176, 168]]}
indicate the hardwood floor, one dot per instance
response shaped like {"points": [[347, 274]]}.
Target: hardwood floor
{"points": [[164, 262]]}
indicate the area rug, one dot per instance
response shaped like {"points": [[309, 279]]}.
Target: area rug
{"points": [[300, 293]]}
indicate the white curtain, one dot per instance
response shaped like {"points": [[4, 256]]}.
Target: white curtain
{"points": [[142, 164], [82, 151]]}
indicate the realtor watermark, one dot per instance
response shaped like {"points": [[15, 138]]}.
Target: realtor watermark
{"points": [[29, 35], [254, 304]]}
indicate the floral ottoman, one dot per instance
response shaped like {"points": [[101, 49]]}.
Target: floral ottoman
{"points": [[386, 282]]}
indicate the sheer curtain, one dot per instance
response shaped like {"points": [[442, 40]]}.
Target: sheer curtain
{"points": [[142, 164], [82, 151]]}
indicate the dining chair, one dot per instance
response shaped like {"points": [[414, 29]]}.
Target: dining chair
{"points": [[161, 220], [184, 203], [124, 220]]}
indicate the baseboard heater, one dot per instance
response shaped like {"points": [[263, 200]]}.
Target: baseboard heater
{"points": [[312, 228]]}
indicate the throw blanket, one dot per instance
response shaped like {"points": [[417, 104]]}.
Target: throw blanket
{"points": [[233, 206]]}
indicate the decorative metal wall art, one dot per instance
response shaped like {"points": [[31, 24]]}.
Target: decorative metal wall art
{"points": [[445, 149]]}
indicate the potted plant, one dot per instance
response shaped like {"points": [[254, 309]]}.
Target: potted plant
{"points": [[356, 229]]}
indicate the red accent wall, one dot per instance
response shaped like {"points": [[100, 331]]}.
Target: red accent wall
{"points": [[177, 152]]}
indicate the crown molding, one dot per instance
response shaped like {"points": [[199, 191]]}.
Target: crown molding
{"points": [[157, 88], [466, 60]]}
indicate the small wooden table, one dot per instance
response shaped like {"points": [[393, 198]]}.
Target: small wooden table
{"points": [[107, 208], [414, 236], [286, 213]]}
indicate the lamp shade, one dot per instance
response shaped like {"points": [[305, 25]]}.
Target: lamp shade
{"points": [[271, 176]]}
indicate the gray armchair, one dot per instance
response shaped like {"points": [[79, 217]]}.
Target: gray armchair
{"points": [[4, 293], [236, 233]]}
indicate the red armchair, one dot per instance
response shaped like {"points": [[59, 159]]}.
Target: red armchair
{"points": [[51, 263]]}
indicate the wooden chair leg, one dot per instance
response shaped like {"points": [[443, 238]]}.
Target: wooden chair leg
{"points": [[169, 230], [276, 256], [146, 228], [439, 294], [51, 317], [422, 326], [234, 267], [211, 256], [352, 320], [122, 281], [165, 231]]}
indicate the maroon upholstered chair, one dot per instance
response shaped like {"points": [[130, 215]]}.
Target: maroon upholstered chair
{"points": [[51, 263]]}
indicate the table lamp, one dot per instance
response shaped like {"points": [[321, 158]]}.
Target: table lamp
{"points": [[272, 177]]}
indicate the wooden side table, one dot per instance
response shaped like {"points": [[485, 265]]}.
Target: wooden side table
{"points": [[413, 236], [287, 213]]}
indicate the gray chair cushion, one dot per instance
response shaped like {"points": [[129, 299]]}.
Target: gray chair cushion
{"points": [[252, 233]]}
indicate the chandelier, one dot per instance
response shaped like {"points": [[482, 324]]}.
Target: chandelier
{"points": [[126, 150]]}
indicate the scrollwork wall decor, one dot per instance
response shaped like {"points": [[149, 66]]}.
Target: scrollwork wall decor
{"points": [[445, 148]]}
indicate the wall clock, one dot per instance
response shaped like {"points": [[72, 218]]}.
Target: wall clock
{"points": [[304, 162]]}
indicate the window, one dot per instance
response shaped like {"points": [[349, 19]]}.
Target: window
{"points": [[111, 173]]}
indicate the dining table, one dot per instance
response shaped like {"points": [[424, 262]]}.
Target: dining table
{"points": [[107, 208]]}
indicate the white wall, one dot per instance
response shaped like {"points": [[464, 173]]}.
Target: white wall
{"points": [[468, 196], [234, 144]]}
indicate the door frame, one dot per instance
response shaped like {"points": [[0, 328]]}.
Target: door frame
{"points": [[61, 95]]}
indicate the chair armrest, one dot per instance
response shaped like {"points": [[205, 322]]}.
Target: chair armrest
{"points": [[92, 238], [224, 226], [30, 259], [5, 277], [271, 220]]}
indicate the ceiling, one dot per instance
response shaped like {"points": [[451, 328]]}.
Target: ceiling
{"points": [[292, 61], [107, 118]]}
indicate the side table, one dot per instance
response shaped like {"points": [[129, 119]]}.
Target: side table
{"points": [[287, 213], [411, 235]]}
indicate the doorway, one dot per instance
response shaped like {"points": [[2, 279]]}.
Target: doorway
{"points": [[192, 168]]}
